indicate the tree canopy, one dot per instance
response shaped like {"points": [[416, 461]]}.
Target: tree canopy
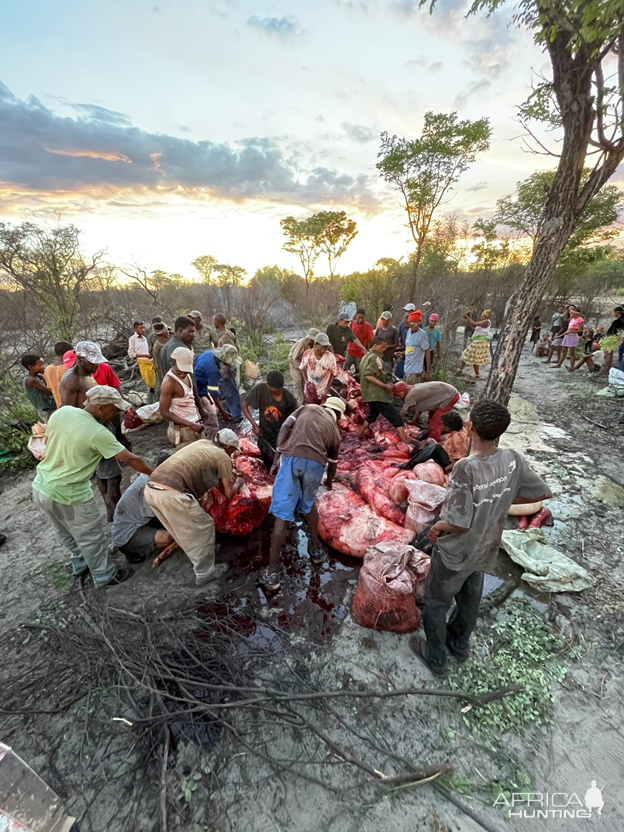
{"points": [[327, 232], [425, 170]]}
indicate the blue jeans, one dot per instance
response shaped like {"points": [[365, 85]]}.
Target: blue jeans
{"points": [[228, 388], [295, 487]]}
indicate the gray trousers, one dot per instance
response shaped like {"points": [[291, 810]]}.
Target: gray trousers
{"points": [[81, 530]]}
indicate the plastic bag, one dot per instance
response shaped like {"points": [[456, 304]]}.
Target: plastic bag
{"points": [[385, 597], [252, 370], [37, 446], [429, 472], [150, 414], [463, 403], [348, 311], [426, 494], [616, 381]]}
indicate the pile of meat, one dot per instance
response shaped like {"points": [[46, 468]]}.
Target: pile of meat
{"points": [[249, 508], [374, 500]]}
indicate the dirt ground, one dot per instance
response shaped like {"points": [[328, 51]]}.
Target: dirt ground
{"points": [[95, 752]]}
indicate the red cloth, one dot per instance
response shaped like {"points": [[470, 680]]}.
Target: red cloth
{"points": [[435, 418], [364, 334], [106, 375]]}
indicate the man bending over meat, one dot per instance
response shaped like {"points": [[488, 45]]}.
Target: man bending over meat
{"points": [[309, 440], [173, 491], [466, 539], [376, 392], [274, 405], [436, 397]]}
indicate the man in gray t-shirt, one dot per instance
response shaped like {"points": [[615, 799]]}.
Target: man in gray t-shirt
{"points": [[480, 493], [135, 530]]}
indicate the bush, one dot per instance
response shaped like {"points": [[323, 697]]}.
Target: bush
{"points": [[16, 418]]}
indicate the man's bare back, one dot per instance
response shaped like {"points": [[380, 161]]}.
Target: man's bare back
{"points": [[74, 386]]}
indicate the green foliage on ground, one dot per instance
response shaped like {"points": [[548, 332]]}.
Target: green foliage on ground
{"points": [[16, 417], [519, 650]]}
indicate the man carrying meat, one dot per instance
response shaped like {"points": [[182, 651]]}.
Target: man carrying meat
{"points": [[376, 392], [319, 369], [180, 402], [175, 487], [466, 539], [274, 405], [308, 441], [436, 397]]}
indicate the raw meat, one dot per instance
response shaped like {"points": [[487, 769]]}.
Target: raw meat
{"points": [[247, 509], [247, 447], [351, 526], [370, 486], [429, 472], [429, 496], [390, 580]]}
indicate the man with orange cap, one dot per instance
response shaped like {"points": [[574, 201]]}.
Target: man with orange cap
{"points": [[417, 352]]}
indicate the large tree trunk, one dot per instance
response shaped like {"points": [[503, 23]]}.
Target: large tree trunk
{"points": [[415, 265]]}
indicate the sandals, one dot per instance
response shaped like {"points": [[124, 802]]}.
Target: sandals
{"points": [[418, 648]]}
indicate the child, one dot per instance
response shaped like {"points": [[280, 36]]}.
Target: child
{"points": [[434, 336], [543, 345], [37, 391], [466, 539], [535, 334], [454, 436]]}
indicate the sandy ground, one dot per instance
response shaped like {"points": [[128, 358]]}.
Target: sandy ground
{"points": [[582, 463]]}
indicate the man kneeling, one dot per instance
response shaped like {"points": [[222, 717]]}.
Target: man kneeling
{"points": [[136, 531]]}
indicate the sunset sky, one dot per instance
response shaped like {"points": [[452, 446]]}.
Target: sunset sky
{"points": [[166, 130]]}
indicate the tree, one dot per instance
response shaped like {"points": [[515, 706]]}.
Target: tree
{"points": [[579, 38], [525, 213], [304, 241], [372, 289], [336, 232], [205, 265], [426, 170], [230, 275], [48, 264]]}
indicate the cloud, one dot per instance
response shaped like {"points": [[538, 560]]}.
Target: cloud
{"points": [[360, 133], [422, 63], [284, 28], [97, 154], [476, 88], [480, 186]]}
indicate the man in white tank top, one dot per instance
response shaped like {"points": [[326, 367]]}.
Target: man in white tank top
{"points": [[180, 403]]}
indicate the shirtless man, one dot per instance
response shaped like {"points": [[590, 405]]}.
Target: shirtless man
{"points": [[180, 402], [77, 380], [73, 391]]}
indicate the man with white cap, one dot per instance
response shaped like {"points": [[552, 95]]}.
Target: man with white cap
{"points": [[319, 368], [404, 327], [390, 335], [180, 402], [173, 492], [77, 380], [308, 441], [294, 360], [77, 441]]}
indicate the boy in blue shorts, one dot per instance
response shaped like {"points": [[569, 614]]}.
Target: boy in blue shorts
{"points": [[308, 440]]}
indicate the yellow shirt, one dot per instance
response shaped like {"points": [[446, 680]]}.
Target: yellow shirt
{"points": [[53, 375]]}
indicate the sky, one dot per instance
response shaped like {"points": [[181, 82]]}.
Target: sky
{"points": [[166, 130]]}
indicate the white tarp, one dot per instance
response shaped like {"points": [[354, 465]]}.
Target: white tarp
{"points": [[546, 568]]}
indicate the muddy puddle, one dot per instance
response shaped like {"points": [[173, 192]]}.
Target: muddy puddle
{"points": [[311, 601]]}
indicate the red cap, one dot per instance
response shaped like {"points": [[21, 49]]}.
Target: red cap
{"points": [[400, 387], [69, 358], [415, 316]]}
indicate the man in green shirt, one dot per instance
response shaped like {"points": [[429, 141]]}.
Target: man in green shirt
{"points": [[77, 441], [376, 392]]}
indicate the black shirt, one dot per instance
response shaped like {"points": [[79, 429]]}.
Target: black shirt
{"points": [[616, 327], [272, 413], [340, 338]]}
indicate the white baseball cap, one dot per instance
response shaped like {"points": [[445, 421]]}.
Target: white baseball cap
{"points": [[322, 339], [228, 438], [334, 403], [183, 359], [386, 316], [91, 351], [409, 307]]}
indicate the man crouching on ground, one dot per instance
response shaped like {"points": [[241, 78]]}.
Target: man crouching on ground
{"points": [[467, 538], [308, 440], [173, 491]]}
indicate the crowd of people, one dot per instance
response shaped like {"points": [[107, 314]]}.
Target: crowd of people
{"points": [[192, 375]]}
